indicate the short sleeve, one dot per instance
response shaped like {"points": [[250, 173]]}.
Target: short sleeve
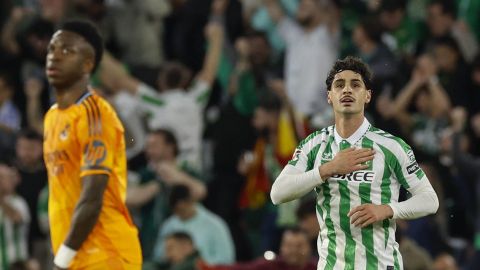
{"points": [[405, 166], [99, 134], [200, 91], [148, 99]]}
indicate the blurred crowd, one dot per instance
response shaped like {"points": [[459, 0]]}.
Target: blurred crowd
{"points": [[216, 94]]}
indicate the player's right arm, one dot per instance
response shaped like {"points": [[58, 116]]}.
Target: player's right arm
{"points": [[294, 181]]}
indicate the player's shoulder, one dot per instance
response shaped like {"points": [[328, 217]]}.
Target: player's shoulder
{"points": [[51, 110], [97, 110], [317, 137], [387, 140]]}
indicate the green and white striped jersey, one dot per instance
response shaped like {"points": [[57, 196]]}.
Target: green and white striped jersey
{"points": [[13, 237], [340, 244], [180, 111]]}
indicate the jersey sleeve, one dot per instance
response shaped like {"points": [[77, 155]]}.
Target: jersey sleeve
{"points": [[200, 91], [148, 99], [405, 166], [98, 133]]}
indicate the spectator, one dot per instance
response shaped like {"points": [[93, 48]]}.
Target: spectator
{"points": [[180, 252], [33, 176], [278, 130], [9, 114], [209, 232], [475, 78], [367, 37], [136, 29], [15, 218], [307, 221], [442, 21], [453, 72], [312, 47], [432, 105], [248, 76], [25, 37], [295, 254], [184, 39], [445, 262], [468, 167], [414, 257], [174, 107], [162, 172], [33, 89], [401, 31], [258, 16]]}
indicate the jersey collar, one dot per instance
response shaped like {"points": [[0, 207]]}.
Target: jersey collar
{"points": [[356, 136], [83, 97]]}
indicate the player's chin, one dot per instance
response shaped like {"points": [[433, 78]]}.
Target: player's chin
{"points": [[56, 81]]}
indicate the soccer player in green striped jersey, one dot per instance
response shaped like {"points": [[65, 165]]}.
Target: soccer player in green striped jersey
{"points": [[356, 171]]}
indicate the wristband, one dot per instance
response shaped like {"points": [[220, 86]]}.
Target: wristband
{"points": [[64, 256]]}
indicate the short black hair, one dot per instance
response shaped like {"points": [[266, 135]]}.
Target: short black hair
{"points": [[180, 235], [174, 74], [354, 64], [30, 134], [90, 33], [179, 193], [448, 7], [169, 138]]}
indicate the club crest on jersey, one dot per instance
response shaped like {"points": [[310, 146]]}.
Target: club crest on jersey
{"points": [[356, 176], [65, 132], [327, 155]]}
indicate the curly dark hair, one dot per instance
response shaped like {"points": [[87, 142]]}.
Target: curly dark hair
{"points": [[354, 64]]}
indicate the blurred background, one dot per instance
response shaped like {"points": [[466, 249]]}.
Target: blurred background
{"points": [[216, 94]]}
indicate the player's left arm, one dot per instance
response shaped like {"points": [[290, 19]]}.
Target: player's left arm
{"points": [[424, 200]]}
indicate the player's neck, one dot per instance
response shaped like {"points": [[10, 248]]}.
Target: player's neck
{"points": [[69, 95], [346, 125]]}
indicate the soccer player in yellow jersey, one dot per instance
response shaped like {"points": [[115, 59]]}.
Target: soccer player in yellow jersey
{"points": [[84, 151]]}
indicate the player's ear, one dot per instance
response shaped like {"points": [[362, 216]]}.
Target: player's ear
{"points": [[368, 96], [329, 100], [88, 64]]}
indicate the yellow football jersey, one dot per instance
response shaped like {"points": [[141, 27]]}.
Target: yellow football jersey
{"points": [[84, 139]]}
